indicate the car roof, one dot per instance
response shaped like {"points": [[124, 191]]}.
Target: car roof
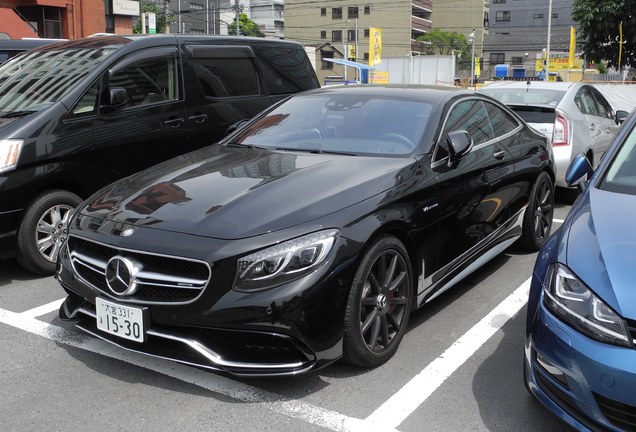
{"points": [[25, 44]]}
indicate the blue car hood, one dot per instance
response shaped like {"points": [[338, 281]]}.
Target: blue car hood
{"points": [[602, 247]]}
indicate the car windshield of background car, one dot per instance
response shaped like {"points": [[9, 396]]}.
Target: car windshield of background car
{"points": [[621, 175], [342, 123], [36, 80], [523, 96]]}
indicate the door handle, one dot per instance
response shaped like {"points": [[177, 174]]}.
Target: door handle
{"points": [[198, 118], [174, 123], [499, 154]]}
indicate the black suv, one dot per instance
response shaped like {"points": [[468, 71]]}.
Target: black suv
{"points": [[77, 115]]}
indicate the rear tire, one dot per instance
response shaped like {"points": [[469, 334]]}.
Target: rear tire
{"points": [[379, 304], [43, 230], [537, 221]]}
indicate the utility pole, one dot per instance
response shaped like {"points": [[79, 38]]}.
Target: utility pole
{"points": [[238, 25], [547, 54]]}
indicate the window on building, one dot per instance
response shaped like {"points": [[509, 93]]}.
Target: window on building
{"points": [[366, 57], [367, 10], [366, 33], [537, 16], [503, 16], [555, 15], [516, 60], [497, 58], [351, 35], [323, 63], [498, 1], [323, 34], [486, 20], [197, 6], [352, 12], [336, 35], [323, 11], [336, 13]]}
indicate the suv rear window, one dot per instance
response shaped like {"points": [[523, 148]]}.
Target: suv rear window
{"points": [[226, 77]]}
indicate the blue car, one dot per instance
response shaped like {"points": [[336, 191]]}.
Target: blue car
{"points": [[580, 351]]}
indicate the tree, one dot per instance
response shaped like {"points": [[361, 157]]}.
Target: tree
{"points": [[448, 43], [248, 27], [148, 6], [600, 21]]}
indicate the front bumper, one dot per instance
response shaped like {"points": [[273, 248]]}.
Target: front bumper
{"points": [[286, 330], [588, 384]]}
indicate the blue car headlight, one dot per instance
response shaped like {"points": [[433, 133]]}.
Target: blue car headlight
{"points": [[284, 262], [572, 301]]}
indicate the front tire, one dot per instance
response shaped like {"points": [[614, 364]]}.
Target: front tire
{"points": [[379, 304], [537, 221], [43, 230]]}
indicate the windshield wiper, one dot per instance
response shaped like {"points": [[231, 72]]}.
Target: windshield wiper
{"points": [[249, 146], [316, 151], [16, 113]]}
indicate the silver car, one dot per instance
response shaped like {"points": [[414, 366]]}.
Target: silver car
{"points": [[575, 116]]}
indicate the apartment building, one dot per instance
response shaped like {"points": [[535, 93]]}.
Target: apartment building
{"points": [[518, 33], [336, 27]]}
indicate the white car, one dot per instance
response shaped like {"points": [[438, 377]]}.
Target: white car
{"points": [[575, 116]]}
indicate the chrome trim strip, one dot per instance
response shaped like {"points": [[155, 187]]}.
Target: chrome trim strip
{"points": [[218, 363]]}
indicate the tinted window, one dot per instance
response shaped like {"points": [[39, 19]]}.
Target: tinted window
{"points": [[585, 102], [603, 107], [501, 121], [226, 77], [87, 104], [286, 70], [471, 116], [148, 81], [534, 114]]}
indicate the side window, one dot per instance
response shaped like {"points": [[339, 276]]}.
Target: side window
{"points": [[148, 81], [286, 70], [468, 115], [501, 121], [585, 102], [603, 107], [87, 105], [226, 77]]}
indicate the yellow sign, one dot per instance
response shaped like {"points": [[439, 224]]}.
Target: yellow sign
{"points": [[558, 61], [375, 46], [351, 52], [572, 47], [477, 67], [378, 77]]}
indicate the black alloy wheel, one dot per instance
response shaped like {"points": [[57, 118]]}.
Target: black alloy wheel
{"points": [[537, 222], [379, 304]]}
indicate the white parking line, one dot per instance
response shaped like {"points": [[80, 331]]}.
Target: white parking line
{"points": [[292, 408], [403, 403], [386, 418]]}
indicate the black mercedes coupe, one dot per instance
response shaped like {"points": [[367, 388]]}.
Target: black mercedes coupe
{"points": [[309, 234]]}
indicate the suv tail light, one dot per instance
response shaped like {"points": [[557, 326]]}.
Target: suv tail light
{"points": [[560, 134]]}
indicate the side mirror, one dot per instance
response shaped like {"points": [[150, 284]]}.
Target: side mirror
{"points": [[118, 97], [579, 168], [620, 116], [459, 145]]}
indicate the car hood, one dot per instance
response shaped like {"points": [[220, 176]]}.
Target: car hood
{"points": [[601, 246], [230, 192]]}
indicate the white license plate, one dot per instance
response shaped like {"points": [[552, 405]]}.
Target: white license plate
{"points": [[123, 321]]}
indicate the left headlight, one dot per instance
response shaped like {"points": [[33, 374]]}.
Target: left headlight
{"points": [[570, 299], [284, 262], [9, 153]]}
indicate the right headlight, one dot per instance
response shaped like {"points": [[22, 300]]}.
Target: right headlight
{"points": [[284, 262], [570, 299], [9, 153]]}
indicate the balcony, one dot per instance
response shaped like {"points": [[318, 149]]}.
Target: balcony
{"points": [[427, 5], [421, 25]]}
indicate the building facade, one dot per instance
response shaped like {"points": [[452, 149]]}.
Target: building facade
{"points": [[58, 19], [336, 28], [518, 35]]}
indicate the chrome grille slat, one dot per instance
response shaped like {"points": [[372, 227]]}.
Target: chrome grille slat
{"points": [[162, 278]]}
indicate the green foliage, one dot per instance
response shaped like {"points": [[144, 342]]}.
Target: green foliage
{"points": [[148, 6], [599, 21], [447, 43], [247, 27]]}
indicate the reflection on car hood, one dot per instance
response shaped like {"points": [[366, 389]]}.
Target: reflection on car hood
{"points": [[602, 246], [227, 192]]}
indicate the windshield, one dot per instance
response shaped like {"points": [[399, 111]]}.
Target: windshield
{"points": [[525, 96], [621, 174], [341, 123], [37, 79]]}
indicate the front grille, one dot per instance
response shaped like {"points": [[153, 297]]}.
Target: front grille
{"points": [[619, 414], [160, 279]]}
